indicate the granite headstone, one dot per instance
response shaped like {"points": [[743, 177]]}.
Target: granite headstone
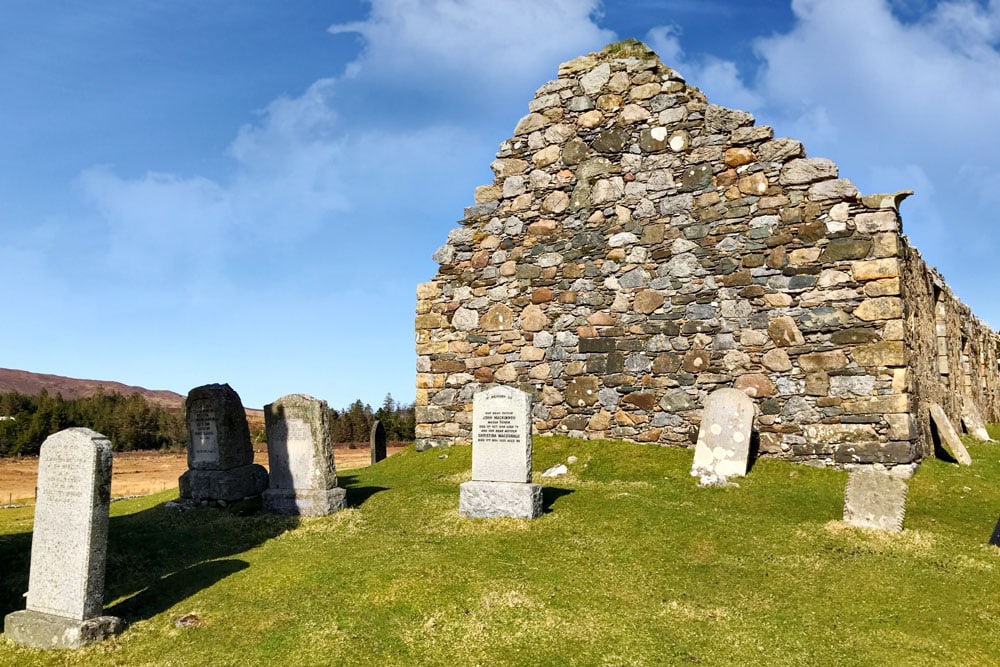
{"points": [[501, 458], [220, 455], [300, 453], [973, 421], [68, 548], [875, 499], [995, 537], [723, 447]]}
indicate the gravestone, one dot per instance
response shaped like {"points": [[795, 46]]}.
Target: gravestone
{"points": [[995, 537], [501, 458], [220, 455], [950, 441], [300, 453], [377, 441], [973, 421], [723, 447], [69, 545], [875, 499]]}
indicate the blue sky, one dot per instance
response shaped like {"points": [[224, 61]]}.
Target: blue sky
{"points": [[198, 191]]}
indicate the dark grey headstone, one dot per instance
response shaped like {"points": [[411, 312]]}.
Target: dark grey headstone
{"points": [[220, 455], [995, 537], [69, 545], [377, 441], [303, 476]]}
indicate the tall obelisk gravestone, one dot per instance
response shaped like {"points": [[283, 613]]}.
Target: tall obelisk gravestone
{"points": [[501, 458], [69, 545], [220, 455], [300, 453]]}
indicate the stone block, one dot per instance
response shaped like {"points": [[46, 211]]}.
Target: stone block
{"points": [[875, 499], [823, 361], [886, 353], [492, 500], [48, 631], [901, 426], [305, 502], [873, 269], [880, 308], [227, 485]]}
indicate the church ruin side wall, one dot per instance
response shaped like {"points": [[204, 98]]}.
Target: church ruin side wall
{"points": [[640, 248]]}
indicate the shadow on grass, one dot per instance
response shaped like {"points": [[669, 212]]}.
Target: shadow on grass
{"points": [[357, 495], [550, 494], [162, 553], [173, 588]]}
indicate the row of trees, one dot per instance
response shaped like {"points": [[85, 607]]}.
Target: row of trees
{"points": [[132, 423], [128, 421], [354, 424]]}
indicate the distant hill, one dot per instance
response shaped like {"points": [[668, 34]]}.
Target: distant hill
{"points": [[28, 383]]}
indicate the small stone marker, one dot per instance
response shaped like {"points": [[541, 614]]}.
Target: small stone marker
{"points": [[220, 456], [377, 441], [949, 437], [995, 537], [69, 545], [300, 453], [723, 448], [973, 421], [501, 458], [875, 499]]}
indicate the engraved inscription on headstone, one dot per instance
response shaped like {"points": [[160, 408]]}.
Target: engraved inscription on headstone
{"points": [[69, 544], [501, 435], [203, 435], [293, 437]]}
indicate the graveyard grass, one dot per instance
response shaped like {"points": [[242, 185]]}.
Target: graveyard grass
{"points": [[630, 565]]}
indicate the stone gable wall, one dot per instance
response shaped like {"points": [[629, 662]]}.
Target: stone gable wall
{"points": [[640, 248]]}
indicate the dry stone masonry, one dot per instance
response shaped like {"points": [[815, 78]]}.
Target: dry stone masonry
{"points": [[65, 598], [641, 248]]}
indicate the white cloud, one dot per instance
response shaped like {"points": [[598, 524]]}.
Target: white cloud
{"points": [[479, 49]]}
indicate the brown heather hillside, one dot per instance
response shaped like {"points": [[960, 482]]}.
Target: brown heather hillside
{"points": [[28, 383]]}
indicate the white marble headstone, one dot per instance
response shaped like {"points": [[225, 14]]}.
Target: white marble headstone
{"points": [[501, 435], [723, 448]]}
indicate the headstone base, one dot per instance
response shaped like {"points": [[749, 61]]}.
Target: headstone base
{"points": [[229, 485], [491, 500], [46, 631], [305, 502], [875, 499]]}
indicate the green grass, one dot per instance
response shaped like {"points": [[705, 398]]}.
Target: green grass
{"points": [[632, 564]]}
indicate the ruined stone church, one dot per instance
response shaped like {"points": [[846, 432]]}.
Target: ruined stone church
{"points": [[641, 247]]}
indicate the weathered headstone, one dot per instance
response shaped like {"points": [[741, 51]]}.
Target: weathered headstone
{"points": [[501, 458], [220, 455], [377, 441], [69, 545], [723, 448], [875, 499], [950, 441], [995, 537], [973, 421], [300, 453]]}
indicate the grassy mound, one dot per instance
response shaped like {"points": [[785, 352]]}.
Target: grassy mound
{"points": [[630, 565]]}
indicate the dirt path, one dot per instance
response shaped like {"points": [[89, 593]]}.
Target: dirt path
{"points": [[141, 473]]}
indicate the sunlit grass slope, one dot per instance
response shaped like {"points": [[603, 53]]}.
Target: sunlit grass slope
{"points": [[631, 564]]}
